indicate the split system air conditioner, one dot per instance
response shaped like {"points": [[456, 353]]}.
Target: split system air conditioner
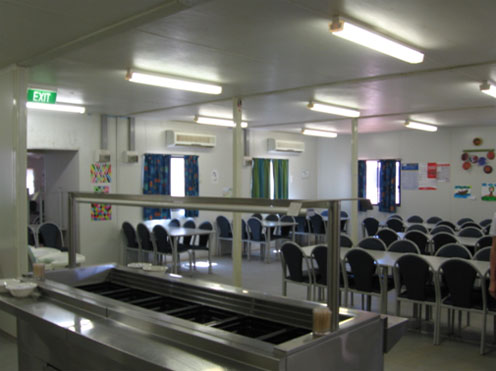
{"points": [[102, 155], [282, 145], [175, 139]]}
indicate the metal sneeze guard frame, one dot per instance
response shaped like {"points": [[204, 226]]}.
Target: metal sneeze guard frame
{"points": [[236, 205]]}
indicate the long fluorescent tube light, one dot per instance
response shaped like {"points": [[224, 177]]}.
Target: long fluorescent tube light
{"points": [[351, 32], [420, 126], [173, 82], [319, 133], [215, 121], [488, 89], [56, 107], [333, 110]]}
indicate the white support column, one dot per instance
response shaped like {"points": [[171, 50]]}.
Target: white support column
{"points": [[237, 164], [354, 181]]}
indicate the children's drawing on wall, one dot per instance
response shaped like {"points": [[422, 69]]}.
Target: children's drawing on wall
{"points": [[101, 211], [101, 172], [488, 192], [463, 191]]}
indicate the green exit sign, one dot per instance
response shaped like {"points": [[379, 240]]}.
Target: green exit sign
{"points": [[42, 96]]}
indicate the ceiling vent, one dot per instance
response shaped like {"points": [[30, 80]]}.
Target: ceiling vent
{"points": [[176, 139], [282, 145]]}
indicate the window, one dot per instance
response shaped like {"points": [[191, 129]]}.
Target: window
{"points": [[177, 183], [30, 181], [270, 178], [373, 189]]}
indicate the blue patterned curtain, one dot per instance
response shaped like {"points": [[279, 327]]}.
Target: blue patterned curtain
{"points": [[280, 169], [387, 186], [191, 183], [362, 182], [156, 181], [260, 173]]}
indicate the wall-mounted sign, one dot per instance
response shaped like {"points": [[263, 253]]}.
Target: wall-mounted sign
{"points": [[41, 96]]}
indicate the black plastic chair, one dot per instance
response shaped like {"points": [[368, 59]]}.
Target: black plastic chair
{"points": [[372, 243], [404, 246], [50, 235], [345, 241], [454, 250], [345, 219], [224, 232], [203, 244], [433, 220], [258, 216], [442, 239], [174, 223], [470, 232], [447, 223], [415, 219], [483, 254], [287, 232], [370, 226], [292, 260], [462, 221], [421, 240], [32, 237], [471, 224], [395, 224], [395, 216], [163, 246], [145, 242], [272, 217], [317, 226], [187, 241], [413, 283], [257, 235], [485, 222], [319, 255], [417, 227], [388, 236], [130, 242], [442, 229], [459, 277], [483, 242], [302, 229]]}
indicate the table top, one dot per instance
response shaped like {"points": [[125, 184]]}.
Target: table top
{"points": [[277, 223], [466, 241], [183, 232]]}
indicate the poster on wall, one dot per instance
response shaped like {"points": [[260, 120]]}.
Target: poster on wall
{"points": [[101, 212], [443, 173], [462, 191], [409, 177], [427, 176], [101, 172], [488, 192]]}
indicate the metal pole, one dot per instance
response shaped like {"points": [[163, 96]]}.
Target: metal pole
{"points": [[333, 261], [72, 231], [237, 162], [354, 181]]}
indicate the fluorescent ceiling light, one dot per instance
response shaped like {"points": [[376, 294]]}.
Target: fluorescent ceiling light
{"points": [[205, 120], [346, 30], [333, 110], [319, 133], [420, 126], [173, 82], [488, 89], [56, 107]]}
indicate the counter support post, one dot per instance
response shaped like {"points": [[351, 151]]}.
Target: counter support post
{"points": [[333, 259]]}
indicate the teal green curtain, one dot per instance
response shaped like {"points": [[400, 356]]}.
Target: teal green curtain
{"points": [[387, 186], [281, 175], [191, 183], [260, 173]]}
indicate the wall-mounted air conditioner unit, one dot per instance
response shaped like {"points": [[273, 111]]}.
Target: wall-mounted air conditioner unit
{"points": [[102, 155], [282, 145], [175, 139], [130, 157]]}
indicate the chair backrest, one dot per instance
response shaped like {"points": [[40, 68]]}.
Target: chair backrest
{"points": [[388, 236], [395, 216], [462, 221], [459, 277], [446, 222], [415, 219], [256, 230], [144, 237], [415, 273], [162, 241], [372, 243], [286, 231], [272, 217], [343, 214], [293, 260], [483, 242], [130, 235], [433, 220], [443, 238], [31, 237], [420, 238], [404, 246], [345, 240], [483, 254], [203, 239], [395, 224], [302, 224], [325, 213], [470, 232], [174, 223], [319, 254], [363, 267], [442, 228], [471, 224], [371, 225], [258, 216], [317, 224], [485, 222], [417, 227], [244, 231], [487, 228], [49, 234], [454, 250], [224, 227], [188, 224]]}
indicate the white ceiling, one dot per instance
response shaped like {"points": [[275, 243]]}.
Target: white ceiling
{"points": [[276, 54]]}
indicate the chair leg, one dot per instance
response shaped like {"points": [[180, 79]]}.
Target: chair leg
{"points": [[209, 261], [398, 307], [369, 302], [363, 303], [309, 292], [437, 326], [483, 334], [284, 288]]}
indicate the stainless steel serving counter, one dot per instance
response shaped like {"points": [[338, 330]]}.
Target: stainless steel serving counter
{"points": [[67, 327]]}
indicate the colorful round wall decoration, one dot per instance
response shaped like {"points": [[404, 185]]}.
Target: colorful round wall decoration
{"points": [[490, 155], [477, 141], [467, 165], [474, 159], [488, 169], [482, 161], [464, 156]]}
